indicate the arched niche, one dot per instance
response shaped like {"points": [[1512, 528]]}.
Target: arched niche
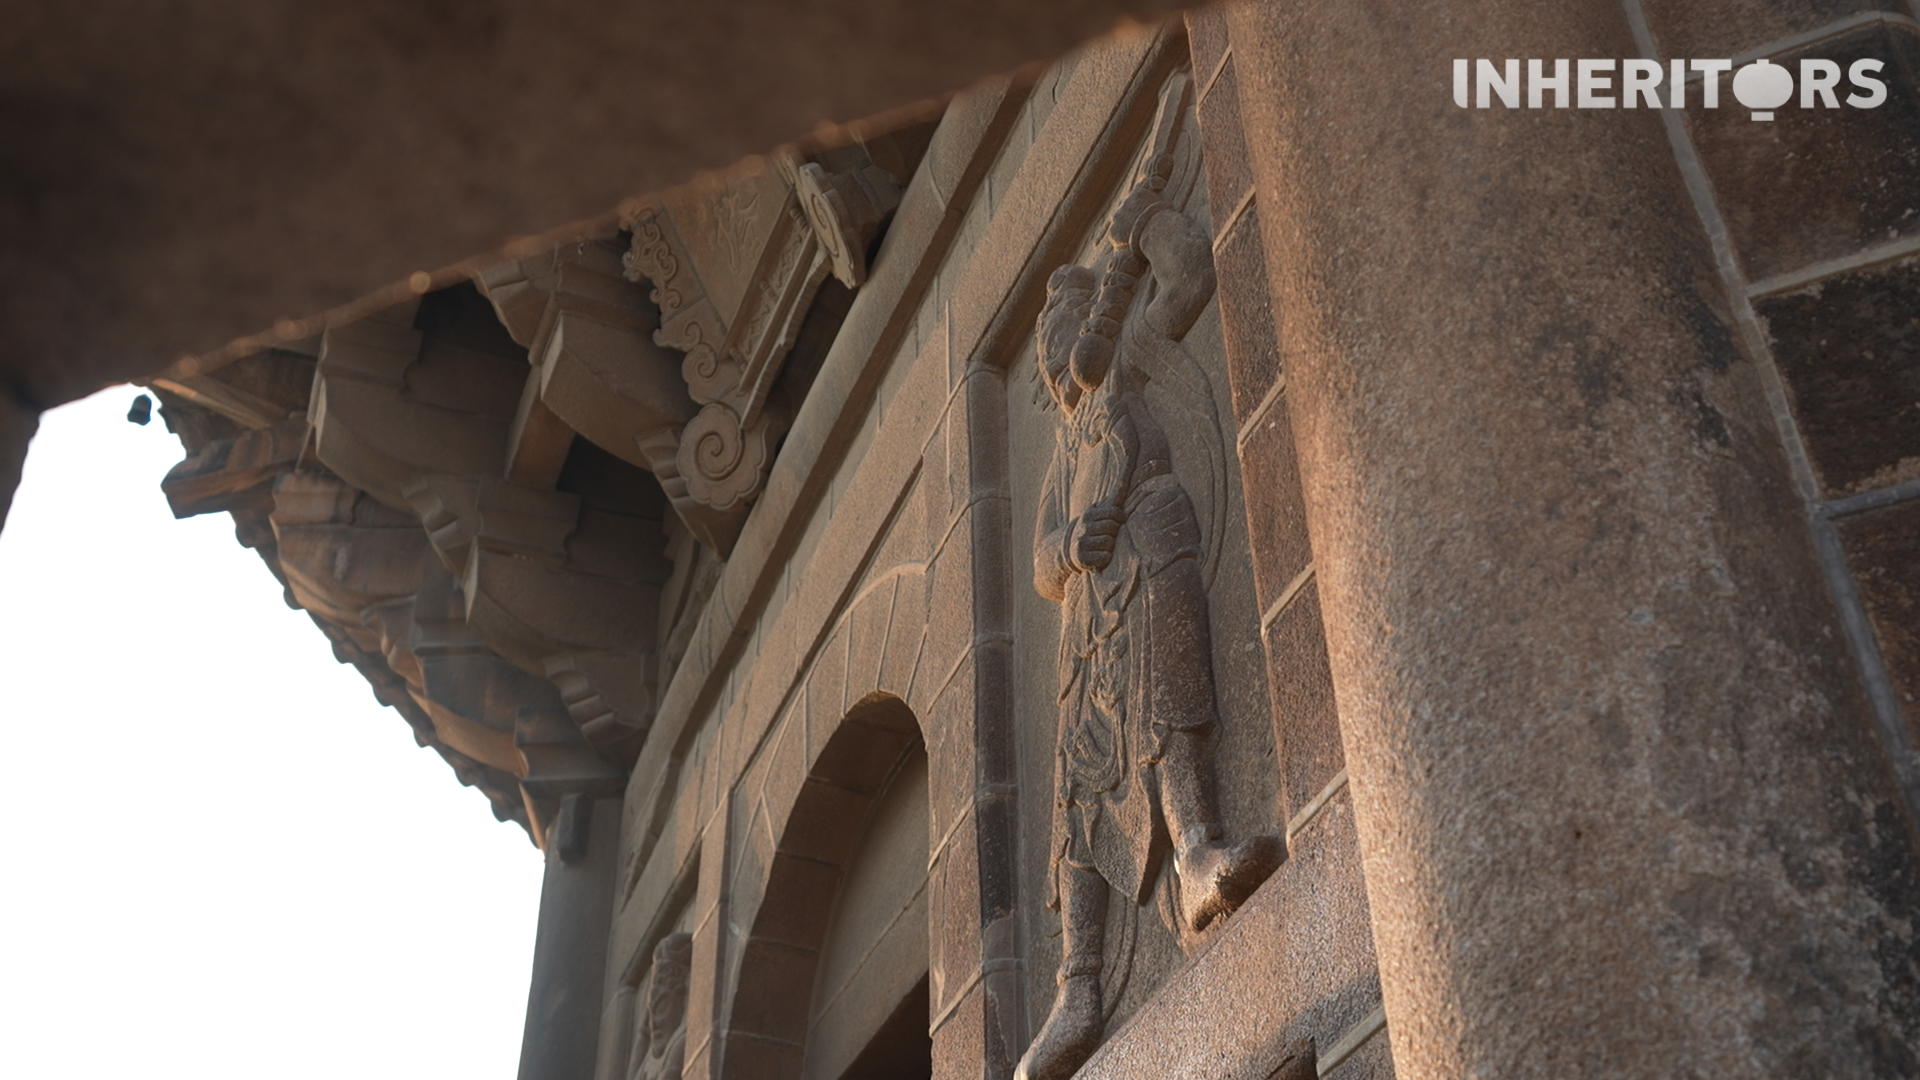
{"points": [[833, 975], [873, 957]]}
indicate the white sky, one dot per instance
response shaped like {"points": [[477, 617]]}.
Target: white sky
{"points": [[227, 860]]}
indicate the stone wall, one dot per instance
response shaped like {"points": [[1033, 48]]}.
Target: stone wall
{"points": [[917, 588], [895, 581]]}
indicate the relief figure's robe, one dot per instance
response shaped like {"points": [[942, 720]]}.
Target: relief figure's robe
{"points": [[1135, 655]]}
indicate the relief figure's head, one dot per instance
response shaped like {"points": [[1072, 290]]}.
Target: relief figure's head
{"points": [[667, 997], [1063, 320]]}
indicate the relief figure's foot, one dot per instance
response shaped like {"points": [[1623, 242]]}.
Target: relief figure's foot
{"points": [[1071, 1033], [1216, 877]]}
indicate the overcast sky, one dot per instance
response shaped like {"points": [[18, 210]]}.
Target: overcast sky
{"points": [[226, 859]]}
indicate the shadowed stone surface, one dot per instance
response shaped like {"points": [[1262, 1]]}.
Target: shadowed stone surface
{"points": [[1816, 184], [1883, 547], [1724, 28], [179, 175], [1850, 349]]}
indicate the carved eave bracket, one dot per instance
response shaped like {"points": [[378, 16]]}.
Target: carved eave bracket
{"points": [[735, 261], [845, 209]]}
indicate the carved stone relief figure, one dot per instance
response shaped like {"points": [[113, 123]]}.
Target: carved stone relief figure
{"points": [[660, 1038], [1119, 545]]}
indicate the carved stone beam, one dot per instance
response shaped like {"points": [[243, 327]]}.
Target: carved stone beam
{"points": [[501, 786], [460, 440], [387, 409], [508, 714], [371, 571], [845, 208], [598, 366], [342, 556], [247, 409], [560, 588], [232, 473]]}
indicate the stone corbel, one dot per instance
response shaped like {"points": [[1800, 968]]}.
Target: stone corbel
{"points": [[611, 696], [371, 433], [734, 264], [498, 713], [513, 518], [601, 365]]}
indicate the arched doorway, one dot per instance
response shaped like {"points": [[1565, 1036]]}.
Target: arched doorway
{"points": [[833, 975]]}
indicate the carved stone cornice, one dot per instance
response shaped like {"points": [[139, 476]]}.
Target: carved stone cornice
{"points": [[371, 572], [545, 580]]}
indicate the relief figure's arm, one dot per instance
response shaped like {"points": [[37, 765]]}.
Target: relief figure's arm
{"points": [[1051, 531], [1125, 436], [1182, 261]]}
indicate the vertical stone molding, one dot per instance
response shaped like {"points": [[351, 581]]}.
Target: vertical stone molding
{"points": [[1615, 779], [570, 945]]}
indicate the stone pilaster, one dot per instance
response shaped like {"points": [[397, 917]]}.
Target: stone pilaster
{"points": [[570, 946], [1619, 796]]}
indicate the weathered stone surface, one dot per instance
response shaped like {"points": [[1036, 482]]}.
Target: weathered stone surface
{"points": [[1206, 40], [233, 472], [1849, 347], [1295, 963], [1276, 516], [1306, 724], [1556, 600], [1818, 184], [1725, 28], [1246, 308], [1883, 548]]}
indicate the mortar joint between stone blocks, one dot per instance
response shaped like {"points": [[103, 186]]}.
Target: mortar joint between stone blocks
{"points": [[1233, 220], [1808, 275], [1352, 1040], [1260, 411], [1871, 500], [1286, 597], [1311, 812], [1219, 66]]}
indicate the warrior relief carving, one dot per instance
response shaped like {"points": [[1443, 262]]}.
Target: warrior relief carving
{"points": [[660, 1042], [1120, 545]]}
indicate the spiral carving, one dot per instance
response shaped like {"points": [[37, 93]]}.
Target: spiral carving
{"points": [[709, 373], [721, 462], [717, 446], [702, 364], [652, 257]]}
